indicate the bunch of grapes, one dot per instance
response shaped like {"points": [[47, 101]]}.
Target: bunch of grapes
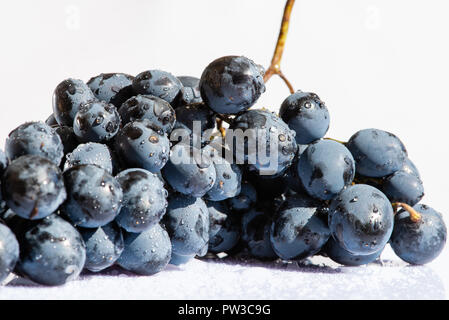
{"points": [[141, 172]]}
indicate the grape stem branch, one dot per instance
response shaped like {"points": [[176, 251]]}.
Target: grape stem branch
{"points": [[275, 66], [415, 216]]}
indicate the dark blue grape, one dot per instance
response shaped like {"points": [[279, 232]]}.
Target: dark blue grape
{"points": [[141, 144], [224, 228], [144, 200], [52, 251], [157, 83], [190, 91], [256, 225], [325, 168], [68, 97], [94, 196], [190, 171], [270, 145], [187, 223], [9, 251], [361, 219], [231, 84], [404, 187], [96, 121], [377, 153], [307, 115], [245, 200], [104, 245], [113, 88], [229, 177], [68, 138], [155, 109], [192, 121], [146, 253], [91, 153], [419, 242], [33, 187], [34, 138], [335, 252], [410, 167], [51, 121], [299, 230]]}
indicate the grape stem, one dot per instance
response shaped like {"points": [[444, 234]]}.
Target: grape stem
{"points": [[339, 141], [275, 67], [224, 118], [220, 118], [220, 127], [415, 216]]}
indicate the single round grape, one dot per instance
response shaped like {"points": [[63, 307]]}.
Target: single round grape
{"points": [[113, 88], [187, 223], [325, 168], [142, 144], [361, 219], [422, 241], [68, 97], [154, 109], [263, 141], [377, 153], [52, 250], [307, 115], [335, 252], [104, 245], [224, 227], [146, 253], [404, 187], [190, 91], [189, 171], [35, 138], [256, 225], [94, 196], [90, 153], [157, 83], [232, 84], [299, 229], [144, 200], [96, 121], [33, 187]]}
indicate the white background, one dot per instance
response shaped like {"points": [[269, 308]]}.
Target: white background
{"points": [[381, 64]]}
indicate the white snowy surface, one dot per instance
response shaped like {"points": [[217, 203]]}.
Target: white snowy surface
{"points": [[230, 279]]}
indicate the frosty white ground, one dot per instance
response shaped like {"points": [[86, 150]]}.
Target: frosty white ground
{"points": [[232, 279]]}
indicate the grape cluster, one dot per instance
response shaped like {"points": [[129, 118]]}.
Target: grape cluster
{"points": [[143, 171]]}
